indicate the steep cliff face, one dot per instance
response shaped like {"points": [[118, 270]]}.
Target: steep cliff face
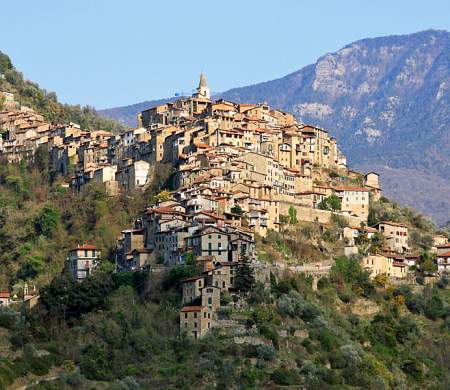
{"points": [[387, 101], [384, 98]]}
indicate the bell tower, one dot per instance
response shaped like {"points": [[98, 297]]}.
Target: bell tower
{"points": [[202, 89]]}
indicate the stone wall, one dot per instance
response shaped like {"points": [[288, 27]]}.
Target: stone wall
{"points": [[315, 215]]}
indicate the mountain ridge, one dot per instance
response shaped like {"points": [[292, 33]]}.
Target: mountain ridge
{"points": [[386, 100]]}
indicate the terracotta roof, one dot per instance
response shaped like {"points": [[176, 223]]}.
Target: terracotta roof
{"points": [[201, 145], [85, 247], [209, 214], [351, 189], [5, 294], [192, 278], [392, 224], [188, 309], [446, 254]]}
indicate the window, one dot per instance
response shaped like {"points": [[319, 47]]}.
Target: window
{"points": [[195, 324], [209, 301], [204, 314], [185, 315], [195, 315]]}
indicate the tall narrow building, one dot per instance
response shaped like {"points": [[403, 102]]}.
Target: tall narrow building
{"points": [[202, 89]]}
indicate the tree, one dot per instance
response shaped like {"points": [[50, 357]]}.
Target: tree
{"points": [[162, 196], [372, 217], [5, 63], [427, 265], [47, 221], [41, 158], [244, 280], [377, 242], [362, 239], [237, 210], [380, 280], [292, 215], [332, 203]]}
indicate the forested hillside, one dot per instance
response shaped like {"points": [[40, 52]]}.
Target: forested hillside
{"points": [[120, 331]]}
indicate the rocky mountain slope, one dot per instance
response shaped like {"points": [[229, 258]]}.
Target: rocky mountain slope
{"points": [[387, 101]]}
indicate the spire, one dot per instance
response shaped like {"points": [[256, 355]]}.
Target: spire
{"points": [[202, 84], [202, 90]]}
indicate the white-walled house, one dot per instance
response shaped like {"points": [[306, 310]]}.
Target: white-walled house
{"points": [[83, 260]]}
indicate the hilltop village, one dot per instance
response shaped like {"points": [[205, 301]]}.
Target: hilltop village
{"points": [[240, 172]]}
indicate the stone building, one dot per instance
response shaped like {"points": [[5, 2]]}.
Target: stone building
{"points": [[195, 321]]}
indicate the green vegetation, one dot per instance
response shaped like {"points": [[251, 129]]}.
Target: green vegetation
{"points": [[121, 331], [46, 103], [292, 215], [40, 221], [245, 278], [332, 203]]}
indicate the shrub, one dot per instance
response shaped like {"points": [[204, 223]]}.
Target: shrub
{"points": [[434, 308], [47, 220], [443, 282], [327, 340], [96, 363], [294, 305], [414, 369], [339, 220], [285, 377], [9, 318], [269, 333], [350, 271], [266, 352]]}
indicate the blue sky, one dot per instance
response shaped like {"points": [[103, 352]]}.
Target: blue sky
{"points": [[109, 52]]}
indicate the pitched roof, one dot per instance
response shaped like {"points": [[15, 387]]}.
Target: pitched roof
{"points": [[85, 247], [345, 188], [192, 278], [5, 294], [188, 309], [392, 224]]}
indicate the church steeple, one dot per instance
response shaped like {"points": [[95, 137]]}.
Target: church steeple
{"points": [[203, 90], [202, 83]]}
